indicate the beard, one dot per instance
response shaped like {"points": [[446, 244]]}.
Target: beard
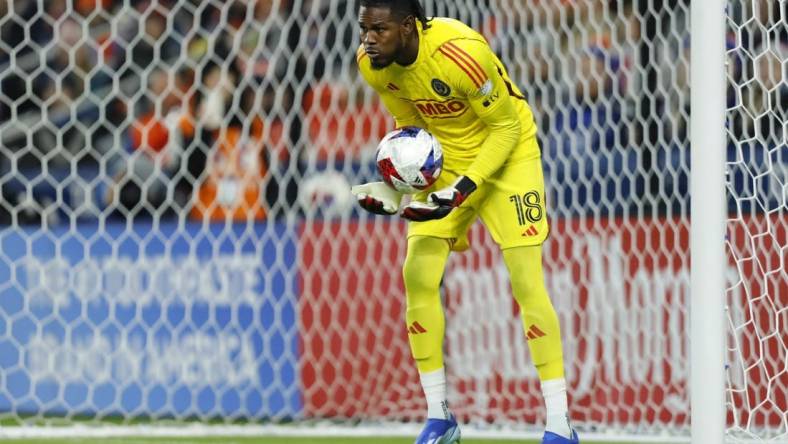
{"points": [[384, 62], [380, 64]]}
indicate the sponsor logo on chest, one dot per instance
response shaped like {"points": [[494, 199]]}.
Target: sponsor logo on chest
{"points": [[434, 100], [440, 109]]}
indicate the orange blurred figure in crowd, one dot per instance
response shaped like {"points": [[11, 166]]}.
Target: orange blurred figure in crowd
{"points": [[234, 187]]}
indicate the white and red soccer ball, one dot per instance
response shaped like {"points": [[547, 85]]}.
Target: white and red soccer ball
{"points": [[409, 159]]}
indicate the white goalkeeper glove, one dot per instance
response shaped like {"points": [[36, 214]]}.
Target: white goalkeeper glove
{"points": [[440, 203], [377, 197]]}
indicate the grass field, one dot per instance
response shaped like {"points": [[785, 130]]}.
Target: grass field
{"points": [[10, 433], [251, 440], [240, 440], [244, 440], [255, 440]]}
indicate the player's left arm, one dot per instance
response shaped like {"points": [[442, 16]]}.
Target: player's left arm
{"points": [[473, 69], [473, 73]]}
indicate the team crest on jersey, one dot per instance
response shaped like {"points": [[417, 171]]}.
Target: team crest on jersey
{"points": [[441, 87]]}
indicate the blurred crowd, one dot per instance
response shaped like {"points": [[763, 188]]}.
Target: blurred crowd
{"points": [[165, 107], [251, 109]]}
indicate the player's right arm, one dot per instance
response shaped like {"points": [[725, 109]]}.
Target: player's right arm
{"points": [[377, 197]]}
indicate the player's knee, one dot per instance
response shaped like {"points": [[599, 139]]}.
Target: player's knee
{"points": [[423, 268], [420, 282], [525, 274], [527, 289]]}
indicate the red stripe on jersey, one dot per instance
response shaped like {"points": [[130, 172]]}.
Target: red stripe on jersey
{"points": [[468, 58], [463, 66]]}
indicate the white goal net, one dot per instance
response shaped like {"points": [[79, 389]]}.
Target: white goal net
{"points": [[178, 241]]}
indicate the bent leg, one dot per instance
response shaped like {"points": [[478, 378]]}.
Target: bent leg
{"points": [[422, 272], [540, 321]]}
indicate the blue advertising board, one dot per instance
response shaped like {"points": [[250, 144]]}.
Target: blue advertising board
{"points": [[162, 320]]}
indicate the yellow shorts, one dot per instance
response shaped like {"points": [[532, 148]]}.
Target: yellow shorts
{"points": [[511, 205]]}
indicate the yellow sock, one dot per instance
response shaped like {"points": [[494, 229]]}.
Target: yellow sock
{"points": [[540, 321], [422, 272]]}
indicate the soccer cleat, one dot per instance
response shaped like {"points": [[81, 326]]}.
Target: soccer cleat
{"points": [[440, 431], [552, 438]]}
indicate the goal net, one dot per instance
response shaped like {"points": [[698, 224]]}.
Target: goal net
{"points": [[179, 243]]}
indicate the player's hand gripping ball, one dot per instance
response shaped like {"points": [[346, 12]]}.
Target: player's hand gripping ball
{"points": [[409, 159]]}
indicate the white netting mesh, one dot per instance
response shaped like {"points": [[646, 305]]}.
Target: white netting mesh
{"points": [[179, 241], [757, 295]]}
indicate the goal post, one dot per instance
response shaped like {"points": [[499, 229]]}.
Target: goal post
{"points": [[178, 242], [707, 225]]}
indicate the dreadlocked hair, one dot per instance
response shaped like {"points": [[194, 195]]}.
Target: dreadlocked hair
{"points": [[403, 8]]}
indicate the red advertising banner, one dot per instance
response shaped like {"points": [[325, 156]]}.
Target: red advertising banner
{"points": [[620, 286]]}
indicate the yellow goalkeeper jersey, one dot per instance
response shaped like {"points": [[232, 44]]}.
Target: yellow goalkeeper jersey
{"points": [[459, 91]]}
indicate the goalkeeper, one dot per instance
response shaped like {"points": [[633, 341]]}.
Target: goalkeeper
{"points": [[441, 75]]}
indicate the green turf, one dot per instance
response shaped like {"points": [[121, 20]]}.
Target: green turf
{"points": [[246, 440]]}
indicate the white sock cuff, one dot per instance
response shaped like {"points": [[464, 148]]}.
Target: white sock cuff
{"points": [[553, 386], [434, 385], [430, 379]]}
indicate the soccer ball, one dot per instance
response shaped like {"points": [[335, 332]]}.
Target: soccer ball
{"points": [[409, 159]]}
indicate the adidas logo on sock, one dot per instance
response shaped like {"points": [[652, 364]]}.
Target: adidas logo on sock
{"points": [[415, 328], [534, 332]]}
